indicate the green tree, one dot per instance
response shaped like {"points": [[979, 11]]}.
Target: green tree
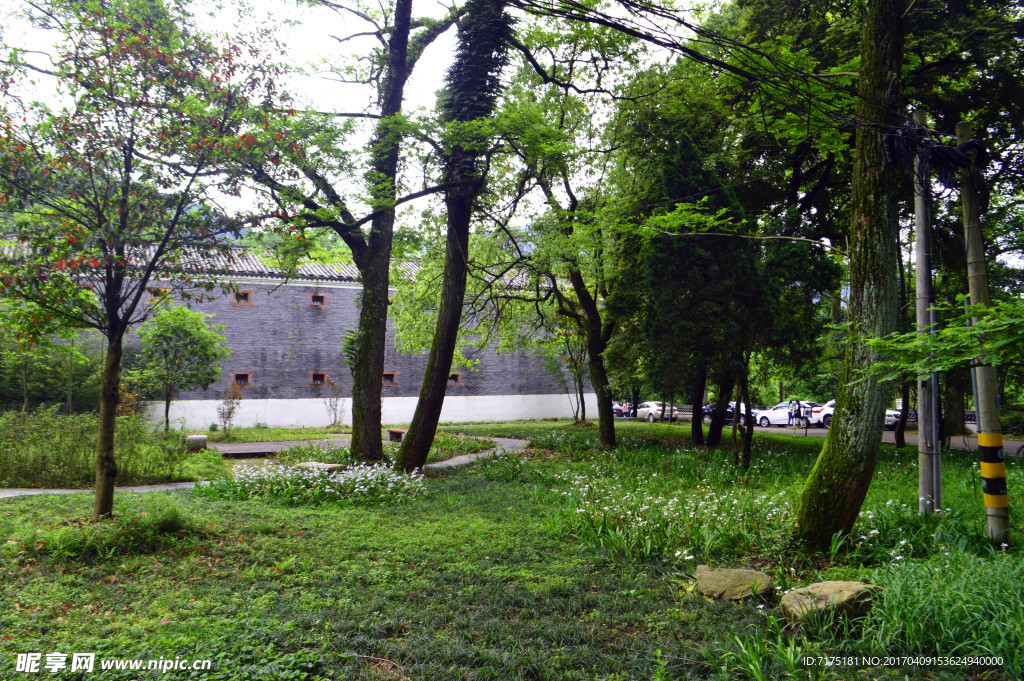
{"points": [[471, 91], [307, 173], [107, 190], [835, 488], [180, 351]]}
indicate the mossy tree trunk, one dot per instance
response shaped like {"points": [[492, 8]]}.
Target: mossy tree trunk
{"points": [[835, 489], [374, 261]]}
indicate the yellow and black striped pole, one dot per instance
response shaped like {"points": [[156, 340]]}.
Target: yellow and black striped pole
{"points": [[993, 486], [990, 429]]}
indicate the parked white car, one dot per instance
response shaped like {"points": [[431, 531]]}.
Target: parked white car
{"points": [[779, 414], [892, 417], [651, 411], [774, 416], [822, 416]]}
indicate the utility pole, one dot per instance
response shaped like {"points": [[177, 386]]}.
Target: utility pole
{"points": [[929, 449], [990, 432]]}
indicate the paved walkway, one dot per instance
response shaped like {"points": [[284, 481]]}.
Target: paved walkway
{"points": [[249, 449], [26, 492], [505, 444], [962, 442]]}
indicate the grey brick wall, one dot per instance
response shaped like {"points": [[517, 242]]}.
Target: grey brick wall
{"points": [[280, 339]]}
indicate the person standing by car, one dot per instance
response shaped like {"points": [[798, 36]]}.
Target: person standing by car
{"points": [[792, 410]]}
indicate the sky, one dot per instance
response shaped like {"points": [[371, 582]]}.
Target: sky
{"points": [[311, 38], [311, 35]]}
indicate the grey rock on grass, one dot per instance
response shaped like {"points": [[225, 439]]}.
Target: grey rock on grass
{"points": [[732, 584]]}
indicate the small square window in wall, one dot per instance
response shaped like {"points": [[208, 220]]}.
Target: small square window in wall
{"points": [[317, 378], [158, 293], [390, 378], [241, 378], [455, 378], [318, 300], [242, 298]]}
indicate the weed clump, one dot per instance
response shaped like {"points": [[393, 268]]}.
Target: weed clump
{"points": [[47, 449]]}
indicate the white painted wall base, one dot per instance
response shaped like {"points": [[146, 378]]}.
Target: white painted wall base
{"points": [[199, 414]]}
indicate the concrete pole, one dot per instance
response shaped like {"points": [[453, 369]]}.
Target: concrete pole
{"points": [[990, 431], [927, 445]]}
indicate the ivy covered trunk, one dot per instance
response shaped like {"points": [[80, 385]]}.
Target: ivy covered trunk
{"points": [[110, 394], [375, 261], [368, 370], [837, 484], [472, 87]]}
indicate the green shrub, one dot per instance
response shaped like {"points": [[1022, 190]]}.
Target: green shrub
{"points": [[47, 449], [142, 525], [952, 604]]}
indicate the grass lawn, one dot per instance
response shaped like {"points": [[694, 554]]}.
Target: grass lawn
{"points": [[566, 563], [275, 434]]}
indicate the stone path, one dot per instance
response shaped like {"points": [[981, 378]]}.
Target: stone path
{"points": [[505, 444], [245, 449], [25, 492]]}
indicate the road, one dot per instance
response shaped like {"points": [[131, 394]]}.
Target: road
{"points": [[969, 442]]}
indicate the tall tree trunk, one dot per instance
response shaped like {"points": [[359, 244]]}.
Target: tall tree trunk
{"points": [[110, 395], [375, 262], [167, 412], [24, 384], [697, 399], [598, 334], [368, 370], [417, 443], [735, 427], [954, 402], [835, 488], [725, 386], [901, 424], [899, 433], [472, 88], [582, 398], [748, 425]]}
